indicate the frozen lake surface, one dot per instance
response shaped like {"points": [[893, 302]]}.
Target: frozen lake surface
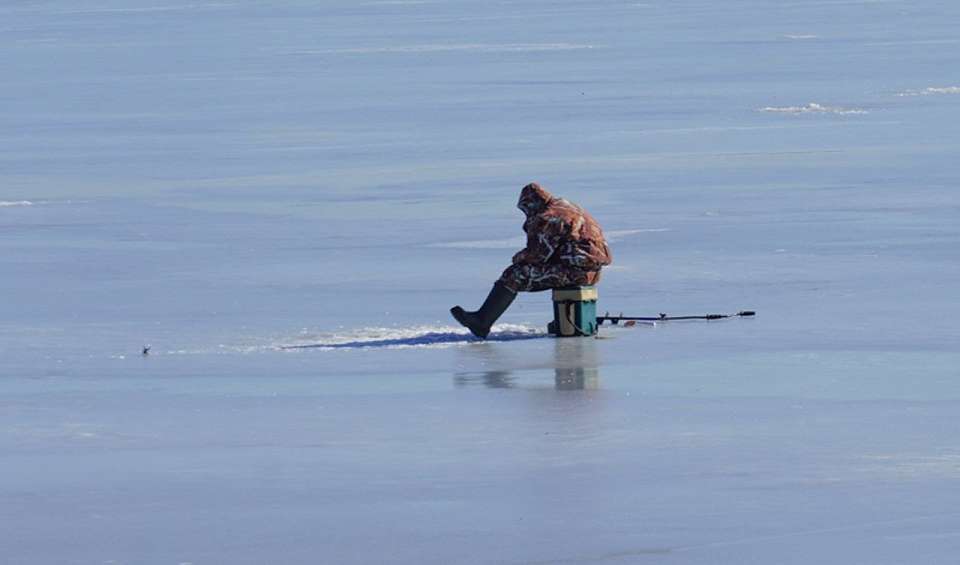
{"points": [[220, 180]]}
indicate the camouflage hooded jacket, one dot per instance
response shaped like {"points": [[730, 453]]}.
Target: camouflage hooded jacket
{"points": [[559, 233]]}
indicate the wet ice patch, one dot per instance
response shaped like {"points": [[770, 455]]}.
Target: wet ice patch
{"points": [[932, 91], [134, 9], [812, 108], [902, 42], [397, 3], [904, 465], [448, 47], [404, 338]]}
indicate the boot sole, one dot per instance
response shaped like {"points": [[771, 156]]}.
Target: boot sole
{"points": [[459, 314]]}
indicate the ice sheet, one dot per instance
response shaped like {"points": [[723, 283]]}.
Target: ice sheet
{"points": [[218, 180]]}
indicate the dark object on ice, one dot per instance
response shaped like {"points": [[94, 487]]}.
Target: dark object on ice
{"points": [[146, 350], [574, 312], [565, 248], [494, 306], [664, 318]]}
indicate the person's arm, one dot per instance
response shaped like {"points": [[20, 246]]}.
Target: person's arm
{"points": [[543, 240]]}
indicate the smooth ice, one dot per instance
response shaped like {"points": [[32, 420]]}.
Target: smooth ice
{"points": [[282, 199]]}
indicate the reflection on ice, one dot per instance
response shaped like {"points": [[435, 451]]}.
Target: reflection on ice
{"points": [[566, 378], [577, 378], [489, 379], [574, 360], [577, 364]]}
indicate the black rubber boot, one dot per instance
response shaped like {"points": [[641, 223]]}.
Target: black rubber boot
{"points": [[494, 306]]}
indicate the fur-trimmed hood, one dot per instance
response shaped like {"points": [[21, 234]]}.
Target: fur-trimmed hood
{"points": [[534, 199]]}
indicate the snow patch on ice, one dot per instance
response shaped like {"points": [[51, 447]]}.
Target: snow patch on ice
{"points": [[21, 203], [404, 338], [508, 243], [617, 235], [448, 47], [368, 338], [812, 108], [800, 36], [932, 91], [519, 241]]}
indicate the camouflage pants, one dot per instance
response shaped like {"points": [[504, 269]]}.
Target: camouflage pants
{"points": [[534, 278]]}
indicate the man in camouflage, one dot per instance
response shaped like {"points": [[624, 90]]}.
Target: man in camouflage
{"points": [[565, 247]]}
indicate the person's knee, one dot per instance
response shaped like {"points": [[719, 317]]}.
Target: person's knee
{"points": [[512, 278]]}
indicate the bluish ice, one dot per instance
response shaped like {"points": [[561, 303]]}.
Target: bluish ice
{"points": [[222, 180]]}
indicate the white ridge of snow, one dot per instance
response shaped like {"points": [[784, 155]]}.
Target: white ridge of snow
{"points": [[422, 336], [410, 337], [12, 203], [812, 108], [931, 91]]}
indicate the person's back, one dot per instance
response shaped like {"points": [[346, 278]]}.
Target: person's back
{"points": [[565, 247]]}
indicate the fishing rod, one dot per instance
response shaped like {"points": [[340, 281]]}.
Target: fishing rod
{"points": [[665, 318]]}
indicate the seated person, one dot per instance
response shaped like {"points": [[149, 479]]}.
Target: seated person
{"points": [[565, 247]]}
